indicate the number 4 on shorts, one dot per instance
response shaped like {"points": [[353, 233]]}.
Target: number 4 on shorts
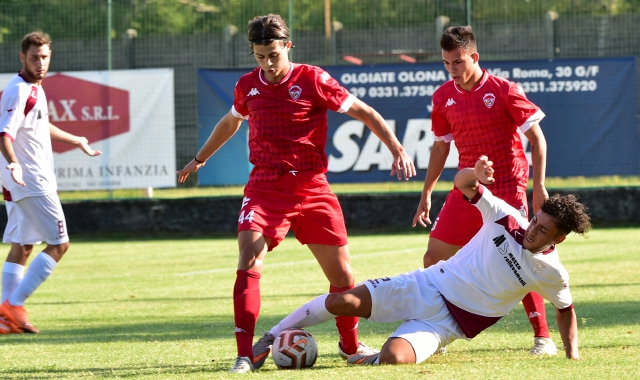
{"points": [[248, 218]]}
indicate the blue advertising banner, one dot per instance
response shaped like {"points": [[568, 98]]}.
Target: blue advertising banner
{"points": [[591, 125]]}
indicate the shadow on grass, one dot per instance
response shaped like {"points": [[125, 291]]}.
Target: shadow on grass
{"points": [[176, 328], [128, 371], [173, 235], [166, 299], [138, 370]]}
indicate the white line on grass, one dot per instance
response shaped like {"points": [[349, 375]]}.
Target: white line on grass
{"points": [[290, 263]]}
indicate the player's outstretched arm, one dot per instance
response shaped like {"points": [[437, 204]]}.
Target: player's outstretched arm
{"points": [[222, 132], [6, 147], [402, 165], [81, 142], [568, 327], [437, 159], [539, 161], [467, 180]]}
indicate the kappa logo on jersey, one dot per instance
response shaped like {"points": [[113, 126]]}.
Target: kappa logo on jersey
{"points": [[254, 91], [450, 102], [295, 92], [489, 99]]}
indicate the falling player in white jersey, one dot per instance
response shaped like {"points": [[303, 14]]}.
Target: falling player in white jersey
{"points": [[29, 183], [460, 297]]}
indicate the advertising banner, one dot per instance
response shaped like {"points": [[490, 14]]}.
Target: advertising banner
{"points": [[126, 114], [590, 126]]}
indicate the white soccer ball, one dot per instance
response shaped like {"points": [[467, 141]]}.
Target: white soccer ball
{"points": [[294, 349]]}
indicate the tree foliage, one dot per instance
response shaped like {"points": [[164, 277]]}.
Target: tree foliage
{"points": [[87, 19]]}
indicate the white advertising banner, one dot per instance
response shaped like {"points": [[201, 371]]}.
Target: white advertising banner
{"points": [[126, 114]]}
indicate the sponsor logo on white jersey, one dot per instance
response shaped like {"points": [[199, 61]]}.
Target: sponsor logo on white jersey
{"points": [[254, 91], [450, 102], [295, 92], [489, 99]]}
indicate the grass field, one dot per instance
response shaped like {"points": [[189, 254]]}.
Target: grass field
{"points": [[161, 308]]}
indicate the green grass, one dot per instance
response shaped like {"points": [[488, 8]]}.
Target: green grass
{"points": [[338, 188], [161, 308]]}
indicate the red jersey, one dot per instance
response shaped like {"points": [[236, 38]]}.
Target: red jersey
{"points": [[485, 121], [288, 120]]}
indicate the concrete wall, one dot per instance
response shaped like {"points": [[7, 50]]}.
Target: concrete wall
{"points": [[609, 206]]}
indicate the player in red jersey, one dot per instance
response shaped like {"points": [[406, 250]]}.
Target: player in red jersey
{"points": [[482, 113], [286, 105]]}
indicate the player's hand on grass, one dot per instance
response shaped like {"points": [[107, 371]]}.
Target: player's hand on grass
{"points": [[403, 166], [84, 145], [189, 168], [422, 214], [16, 173], [484, 170]]}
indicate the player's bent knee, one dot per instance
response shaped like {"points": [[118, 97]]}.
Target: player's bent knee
{"points": [[397, 351]]}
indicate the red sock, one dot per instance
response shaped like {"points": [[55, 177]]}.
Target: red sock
{"points": [[534, 306], [347, 327], [246, 307]]}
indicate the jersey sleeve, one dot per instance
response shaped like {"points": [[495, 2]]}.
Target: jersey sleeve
{"points": [[333, 95], [491, 207], [12, 112], [556, 288], [239, 108], [521, 110], [440, 127]]}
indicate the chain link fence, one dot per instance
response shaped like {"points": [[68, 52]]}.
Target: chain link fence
{"points": [[190, 34]]}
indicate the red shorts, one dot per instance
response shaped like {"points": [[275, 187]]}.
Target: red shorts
{"points": [[459, 220], [303, 202]]}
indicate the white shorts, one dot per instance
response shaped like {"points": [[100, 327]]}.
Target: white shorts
{"points": [[411, 297], [32, 220]]}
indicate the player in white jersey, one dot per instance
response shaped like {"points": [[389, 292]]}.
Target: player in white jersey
{"points": [[29, 183], [460, 297]]}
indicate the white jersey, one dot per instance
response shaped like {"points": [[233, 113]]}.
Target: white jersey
{"points": [[490, 275], [25, 118]]}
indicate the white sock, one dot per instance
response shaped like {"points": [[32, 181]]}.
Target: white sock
{"points": [[39, 269], [310, 314], [12, 274]]}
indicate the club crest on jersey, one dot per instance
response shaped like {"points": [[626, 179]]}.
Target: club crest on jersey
{"points": [[489, 99], [295, 92], [539, 267]]}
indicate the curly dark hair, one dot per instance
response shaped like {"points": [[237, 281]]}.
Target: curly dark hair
{"points": [[569, 214], [459, 37]]}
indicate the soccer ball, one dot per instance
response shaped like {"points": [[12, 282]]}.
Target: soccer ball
{"points": [[294, 349]]}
